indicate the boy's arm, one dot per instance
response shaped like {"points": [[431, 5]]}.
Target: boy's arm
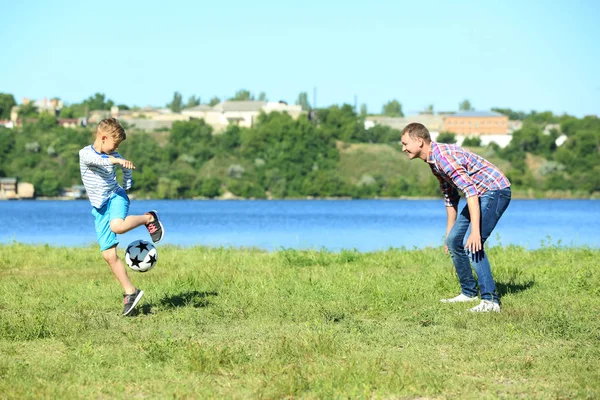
{"points": [[92, 159], [126, 167]]}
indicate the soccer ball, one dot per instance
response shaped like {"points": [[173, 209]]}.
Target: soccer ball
{"points": [[141, 256]]}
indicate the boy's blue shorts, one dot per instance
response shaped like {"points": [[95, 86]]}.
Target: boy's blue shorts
{"points": [[116, 207]]}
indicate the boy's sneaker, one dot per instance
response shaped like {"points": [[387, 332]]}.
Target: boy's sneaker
{"points": [[461, 298], [155, 228], [486, 306], [131, 300]]}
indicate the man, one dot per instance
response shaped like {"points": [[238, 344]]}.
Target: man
{"points": [[488, 194]]}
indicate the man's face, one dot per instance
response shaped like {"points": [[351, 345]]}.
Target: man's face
{"points": [[411, 146]]}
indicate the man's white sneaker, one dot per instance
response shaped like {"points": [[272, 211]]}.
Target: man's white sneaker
{"points": [[486, 306], [461, 298]]}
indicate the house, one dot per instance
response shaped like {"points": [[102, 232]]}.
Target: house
{"points": [[280, 106], [551, 127], [11, 189], [241, 113], [52, 106], [95, 116], [433, 122], [197, 112], [69, 122], [514, 126], [7, 123], [477, 123], [8, 188]]}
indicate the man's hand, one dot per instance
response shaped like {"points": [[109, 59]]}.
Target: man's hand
{"points": [[474, 243]]}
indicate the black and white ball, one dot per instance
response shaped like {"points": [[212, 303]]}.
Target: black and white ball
{"points": [[141, 256]]}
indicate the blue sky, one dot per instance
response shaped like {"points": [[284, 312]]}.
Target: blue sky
{"points": [[526, 55]]}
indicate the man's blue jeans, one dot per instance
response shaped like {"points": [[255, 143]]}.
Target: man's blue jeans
{"points": [[493, 204]]}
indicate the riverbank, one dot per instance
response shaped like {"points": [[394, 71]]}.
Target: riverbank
{"points": [[518, 194], [222, 323]]}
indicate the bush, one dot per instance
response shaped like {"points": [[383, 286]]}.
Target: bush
{"points": [[474, 141], [446, 137]]}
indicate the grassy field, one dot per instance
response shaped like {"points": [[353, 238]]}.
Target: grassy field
{"points": [[220, 323]]}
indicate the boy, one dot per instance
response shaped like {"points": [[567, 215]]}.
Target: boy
{"points": [[110, 203], [488, 194]]}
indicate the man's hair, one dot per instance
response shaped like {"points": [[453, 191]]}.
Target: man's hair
{"points": [[113, 128], [417, 130]]}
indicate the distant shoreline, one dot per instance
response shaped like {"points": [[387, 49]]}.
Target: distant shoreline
{"points": [[411, 198]]}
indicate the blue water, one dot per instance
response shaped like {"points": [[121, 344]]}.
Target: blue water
{"points": [[365, 225]]}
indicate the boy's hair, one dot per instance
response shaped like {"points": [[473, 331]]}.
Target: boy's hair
{"points": [[417, 130], [113, 128]]}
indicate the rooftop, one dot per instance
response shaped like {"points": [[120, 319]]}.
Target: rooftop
{"points": [[240, 106], [478, 114], [201, 107]]}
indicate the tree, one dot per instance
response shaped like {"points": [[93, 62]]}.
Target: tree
{"points": [[446, 137], [545, 117], [7, 102], [193, 101], [210, 187], [7, 143], [465, 105], [193, 138], [45, 183], [341, 123], [512, 115], [262, 96], [530, 139], [393, 108], [429, 109], [214, 101], [242, 95], [302, 101], [177, 104], [76, 110], [363, 110], [98, 102], [28, 110], [474, 141], [46, 121]]}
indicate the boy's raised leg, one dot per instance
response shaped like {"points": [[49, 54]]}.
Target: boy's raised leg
{"points": [[120, 226], [155, 227]]}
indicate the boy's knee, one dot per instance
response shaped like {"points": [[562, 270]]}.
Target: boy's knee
{"points": [[110, 255], [117, 226]]}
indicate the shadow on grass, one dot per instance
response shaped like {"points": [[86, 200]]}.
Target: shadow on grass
{"points": [[192, 298], [504, 288]]}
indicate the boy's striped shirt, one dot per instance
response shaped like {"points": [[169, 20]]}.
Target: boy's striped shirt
{"points": [[99, 176], [459, 169]]}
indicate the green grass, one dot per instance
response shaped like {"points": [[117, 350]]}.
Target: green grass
{"points": [[220, 323]]}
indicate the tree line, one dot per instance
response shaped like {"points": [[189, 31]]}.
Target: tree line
{"points": [[280, 157]]}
